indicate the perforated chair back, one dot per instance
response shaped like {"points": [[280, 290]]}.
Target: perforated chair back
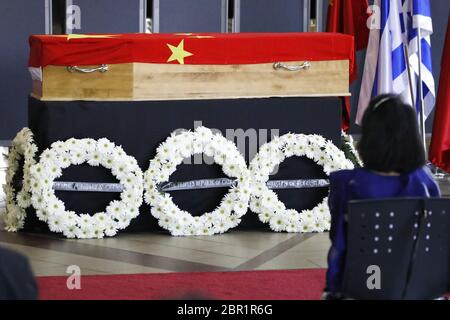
{"points": [[396, 249], [430, 268]]}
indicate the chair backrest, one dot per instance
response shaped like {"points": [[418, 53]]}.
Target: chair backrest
{"points": [[398, 243], [430, 270]]}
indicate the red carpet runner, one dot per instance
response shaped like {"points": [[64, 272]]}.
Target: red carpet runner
{"points": [[252, 285]]}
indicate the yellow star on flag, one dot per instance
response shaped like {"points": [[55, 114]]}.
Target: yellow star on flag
{"points": [[178, 53]]}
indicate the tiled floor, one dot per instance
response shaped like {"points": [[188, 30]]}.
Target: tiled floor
{"points": [[157, 252], [150, 252]]}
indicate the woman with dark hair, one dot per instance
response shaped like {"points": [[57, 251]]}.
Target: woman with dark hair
{"points": [[394, 166]]}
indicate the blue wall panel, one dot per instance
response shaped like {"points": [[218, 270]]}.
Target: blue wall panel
{"points": [[189, 16], [106, 16], [19, 19], [269, 15]]}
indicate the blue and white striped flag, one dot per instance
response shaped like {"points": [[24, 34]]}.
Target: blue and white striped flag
{"points": [[385, 69], [418, 15]]}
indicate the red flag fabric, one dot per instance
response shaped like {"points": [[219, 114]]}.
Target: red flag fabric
{"points": [[190, 48], [349, 17], [439, 153]]}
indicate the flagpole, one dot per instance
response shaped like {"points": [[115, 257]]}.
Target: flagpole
{"points": [[408, 68], [421, 102]]}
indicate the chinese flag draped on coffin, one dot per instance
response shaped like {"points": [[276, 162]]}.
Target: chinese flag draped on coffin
{"points": [[349, 17], [190, 66], [189, 48], [440, 141]]}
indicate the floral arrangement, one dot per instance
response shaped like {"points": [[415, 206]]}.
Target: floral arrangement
{"points": [[348, 147], [117, 214], [17, 202], [265, 202], [249, 183], [169, 155]]}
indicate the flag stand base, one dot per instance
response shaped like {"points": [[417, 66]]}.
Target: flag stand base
{"points": [[437, 172]]}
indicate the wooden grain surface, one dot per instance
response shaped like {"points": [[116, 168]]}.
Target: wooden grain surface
{"points": [[60, 84], [144, 81]]}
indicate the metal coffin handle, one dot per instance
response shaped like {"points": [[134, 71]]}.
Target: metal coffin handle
{"points": [[102, 68], [280, 65]]}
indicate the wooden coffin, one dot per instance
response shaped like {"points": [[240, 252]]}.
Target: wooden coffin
{"points": [[141, 81], [186, 78]]}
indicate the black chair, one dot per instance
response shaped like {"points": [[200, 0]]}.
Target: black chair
{"points": [[406, 241], [438, 213]]}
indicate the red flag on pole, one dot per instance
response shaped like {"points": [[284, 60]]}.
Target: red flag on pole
{"points": [[440, 140], [349, 17]]}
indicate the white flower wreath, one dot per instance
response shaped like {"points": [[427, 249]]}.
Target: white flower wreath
{"points": [[61, 155], [15, 204], [349, 144], [169, 155], [265, 202]]}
